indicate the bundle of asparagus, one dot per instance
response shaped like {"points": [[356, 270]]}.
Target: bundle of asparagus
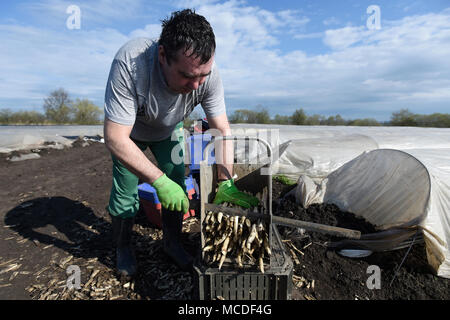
{"points": [[237, 238]]}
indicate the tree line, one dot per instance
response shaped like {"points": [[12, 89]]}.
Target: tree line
{"points": [[399, 118], [59, 108]]}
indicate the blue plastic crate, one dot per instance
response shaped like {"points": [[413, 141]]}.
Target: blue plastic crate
{"points": [[147, 192], [189, 183], [197, 144]]}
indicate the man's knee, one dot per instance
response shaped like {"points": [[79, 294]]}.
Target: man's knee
{"points": [[124, 200]]}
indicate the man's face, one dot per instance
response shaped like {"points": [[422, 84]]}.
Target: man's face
{"points": [[184, 74]]}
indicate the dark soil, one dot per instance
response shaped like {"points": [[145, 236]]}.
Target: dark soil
{"points": [[52, 215], [53, 209], [338, 277]]}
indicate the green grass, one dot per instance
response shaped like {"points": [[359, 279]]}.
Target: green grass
{"points": [[284, 180]]}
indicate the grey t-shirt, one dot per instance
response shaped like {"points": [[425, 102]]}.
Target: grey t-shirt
{"points": [[137, 94]]}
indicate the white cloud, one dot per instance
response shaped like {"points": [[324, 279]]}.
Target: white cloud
{"points": [[313, 35], [292, 18], [331, 21], [402, 65], [405, 64], [38, 59], [35, 61], [99, 11], [193, 3], [344, 37], [152, 31]]}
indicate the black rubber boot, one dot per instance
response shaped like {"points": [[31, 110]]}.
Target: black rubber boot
{"points": [[172, 223], [125, 258]]}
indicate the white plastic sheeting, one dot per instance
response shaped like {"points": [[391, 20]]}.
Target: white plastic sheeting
{"points": [[389, 188], [29, 137], [398, 178], [316, 157]]}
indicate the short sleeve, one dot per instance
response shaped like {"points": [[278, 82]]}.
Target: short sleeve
{"points": [[120, 97], [213, 102]]}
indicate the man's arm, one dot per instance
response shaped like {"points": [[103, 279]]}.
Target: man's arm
{"points": [[226, 190], [224, 156], [118, 142]]}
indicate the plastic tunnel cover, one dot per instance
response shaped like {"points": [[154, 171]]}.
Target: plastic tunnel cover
{"points": [[389, 188]]}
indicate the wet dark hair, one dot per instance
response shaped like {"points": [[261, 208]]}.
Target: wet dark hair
{"points": [[187, 30]]}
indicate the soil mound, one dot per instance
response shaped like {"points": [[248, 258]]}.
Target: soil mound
{"points": [[324, 274]]}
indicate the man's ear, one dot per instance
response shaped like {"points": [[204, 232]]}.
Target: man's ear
{"points": [[162, 55]]}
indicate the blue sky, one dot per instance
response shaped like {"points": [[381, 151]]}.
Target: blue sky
{"points": [[282, 55]]}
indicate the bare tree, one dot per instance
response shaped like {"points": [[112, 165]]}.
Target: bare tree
{"points": [[58, 106]]}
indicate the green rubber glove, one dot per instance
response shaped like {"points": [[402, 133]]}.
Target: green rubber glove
{"points": [[227, 192], [171, 195]]}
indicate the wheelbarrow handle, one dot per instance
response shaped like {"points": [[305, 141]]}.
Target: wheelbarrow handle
{"points": [[293, 223]]}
